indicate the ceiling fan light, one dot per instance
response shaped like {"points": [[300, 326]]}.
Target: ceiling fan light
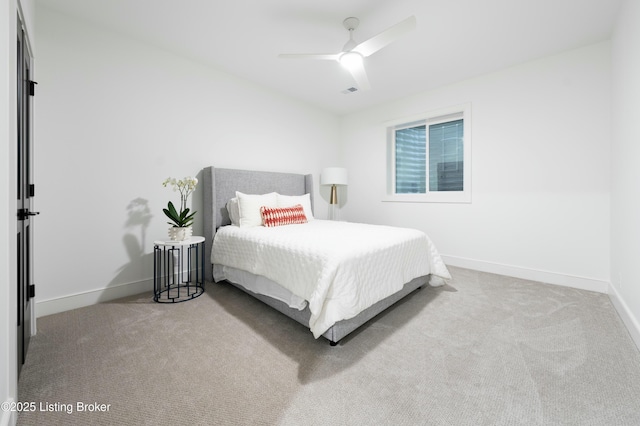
{"points": [[351, 60]]}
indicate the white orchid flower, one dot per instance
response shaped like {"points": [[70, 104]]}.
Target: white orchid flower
{"points": [[185, 186]]}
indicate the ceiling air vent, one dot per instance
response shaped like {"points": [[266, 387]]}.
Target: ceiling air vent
{"points": [[349, 90]]}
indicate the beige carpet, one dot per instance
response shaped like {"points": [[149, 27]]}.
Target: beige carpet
{"points": [[484, 350]]}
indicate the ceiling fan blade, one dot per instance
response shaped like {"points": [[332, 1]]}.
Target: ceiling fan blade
{"points": [[386, 37], [329, 57], [360, 76]]}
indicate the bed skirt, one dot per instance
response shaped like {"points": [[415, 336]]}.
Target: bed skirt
{"points": [[342, 328]]}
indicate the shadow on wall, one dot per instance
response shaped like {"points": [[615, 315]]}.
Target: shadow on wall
{"points": [[139, 214], [140, 265]]}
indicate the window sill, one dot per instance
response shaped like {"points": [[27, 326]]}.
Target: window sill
{"points": [[453, 197]]}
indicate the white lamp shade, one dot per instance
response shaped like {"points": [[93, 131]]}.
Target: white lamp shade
{"points": [[333, 176]]}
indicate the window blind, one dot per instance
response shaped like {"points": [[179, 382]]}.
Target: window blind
{"points": [[446, 156], [411, 160]]}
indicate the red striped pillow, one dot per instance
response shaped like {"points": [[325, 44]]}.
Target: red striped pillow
{"points": [[276, 216]]}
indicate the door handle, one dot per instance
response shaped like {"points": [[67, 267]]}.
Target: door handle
{"points": [[24, 213]]}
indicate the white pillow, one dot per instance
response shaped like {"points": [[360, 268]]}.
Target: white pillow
{"points": [[249, 207], [292, 200], [233, 210]]}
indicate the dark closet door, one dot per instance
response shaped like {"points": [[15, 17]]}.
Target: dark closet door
{"points": [[25, 193]]}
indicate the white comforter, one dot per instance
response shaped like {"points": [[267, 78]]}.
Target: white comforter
{"points": [[340, 268]]}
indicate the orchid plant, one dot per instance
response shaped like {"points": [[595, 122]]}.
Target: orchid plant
{"points": [[185, 186]]}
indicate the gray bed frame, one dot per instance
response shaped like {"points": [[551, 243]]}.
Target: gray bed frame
{"points": [[220, 185]]}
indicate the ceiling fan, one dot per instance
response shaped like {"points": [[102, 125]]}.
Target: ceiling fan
{"points": [[353, 53]]}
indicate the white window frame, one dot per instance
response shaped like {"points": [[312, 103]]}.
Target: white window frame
{"points": [[434, 117]]}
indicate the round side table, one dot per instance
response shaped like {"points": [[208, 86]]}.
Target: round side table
{"points": [[178, 270]]}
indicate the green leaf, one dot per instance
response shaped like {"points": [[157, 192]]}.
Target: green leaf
{"points": [[172, 214], [168, 213], [184, 218], [172, 209]]}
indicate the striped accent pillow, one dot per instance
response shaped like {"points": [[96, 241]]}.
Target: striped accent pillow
{"points": [[276, 216]]}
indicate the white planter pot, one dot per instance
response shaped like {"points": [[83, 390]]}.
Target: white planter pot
{"points": [[180, 234]]}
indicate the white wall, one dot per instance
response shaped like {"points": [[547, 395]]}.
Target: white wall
{"points": [[540, 170], [114, 118], [625, 181]]}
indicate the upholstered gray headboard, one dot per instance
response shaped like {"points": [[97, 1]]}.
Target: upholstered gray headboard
{"points": [[220, 185]]}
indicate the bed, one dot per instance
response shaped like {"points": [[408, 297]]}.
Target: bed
{"points": [[298, 269]]}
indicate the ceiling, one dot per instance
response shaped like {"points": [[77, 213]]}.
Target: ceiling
{"points": [[454, 39]]}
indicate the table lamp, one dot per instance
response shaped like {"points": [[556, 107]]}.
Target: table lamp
{"points": [[333, 176]]}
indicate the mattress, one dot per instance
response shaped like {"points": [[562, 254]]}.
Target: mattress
{"points": [[339, 268]]}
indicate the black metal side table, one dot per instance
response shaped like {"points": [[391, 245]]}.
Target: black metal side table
{"points": [[178, 270]]}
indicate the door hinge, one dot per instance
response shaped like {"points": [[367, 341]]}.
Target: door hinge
{"points": [[32, 87], [32, 190], [32, 291]]}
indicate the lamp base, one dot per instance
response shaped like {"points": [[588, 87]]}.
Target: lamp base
{"points": [[334, 195], [333, 212]]}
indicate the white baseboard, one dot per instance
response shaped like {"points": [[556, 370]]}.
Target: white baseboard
{"points": [[8, 418], [529, 274], [91, 297], [632, 323]]}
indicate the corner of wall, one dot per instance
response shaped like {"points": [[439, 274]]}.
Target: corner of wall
{"points": [[631, 322]]}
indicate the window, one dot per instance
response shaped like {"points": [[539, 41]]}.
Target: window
{"points": [[429, 157]]}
